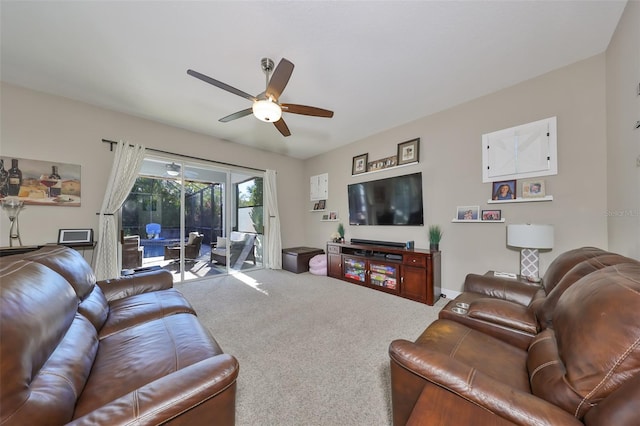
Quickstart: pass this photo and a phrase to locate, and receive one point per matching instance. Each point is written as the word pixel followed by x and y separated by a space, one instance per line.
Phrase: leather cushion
pixel 142 354
pixel 43 366
pixel 563 263
pixel 95 308
pixel 596 346
pixel 544 311
pixel 70 264
pixel 501 312
pixel 502 288
pixel 497 359
pixel 134 310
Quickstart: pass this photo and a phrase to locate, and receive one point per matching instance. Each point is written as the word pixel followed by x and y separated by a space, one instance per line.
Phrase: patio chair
pixel 132 252
pixel 153 230
pixel 191 248
pixel 242 249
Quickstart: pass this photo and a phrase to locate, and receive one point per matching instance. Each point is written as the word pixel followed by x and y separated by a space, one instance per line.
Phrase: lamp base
pixel 529 259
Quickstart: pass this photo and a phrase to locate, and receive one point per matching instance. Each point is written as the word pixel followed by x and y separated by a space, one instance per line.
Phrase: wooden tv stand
pixel 410 273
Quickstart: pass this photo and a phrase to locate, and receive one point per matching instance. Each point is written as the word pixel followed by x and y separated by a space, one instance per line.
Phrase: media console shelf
pixel 410 273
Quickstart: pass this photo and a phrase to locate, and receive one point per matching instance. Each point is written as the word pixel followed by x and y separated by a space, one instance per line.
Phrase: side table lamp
pixel 13 206
pixel 529 238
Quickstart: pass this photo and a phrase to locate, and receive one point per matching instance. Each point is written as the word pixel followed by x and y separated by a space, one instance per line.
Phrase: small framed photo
pixel 467 212
pixel 504 190
pixel 321 204
pixel 316 206
pixel 408 152
pixel 359 164
pixel 325 217
pixel 533 188
pixel 491 214
pixel 75 236
pixel 333 215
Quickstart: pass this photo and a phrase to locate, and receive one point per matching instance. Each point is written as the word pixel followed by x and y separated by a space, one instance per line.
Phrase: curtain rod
pixel 186 156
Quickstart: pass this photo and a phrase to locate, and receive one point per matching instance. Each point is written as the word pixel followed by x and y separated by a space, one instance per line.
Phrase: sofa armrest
pixel 145 282
pixel 503 288
pixel 506 314
pixel 174 395
pixel 454 376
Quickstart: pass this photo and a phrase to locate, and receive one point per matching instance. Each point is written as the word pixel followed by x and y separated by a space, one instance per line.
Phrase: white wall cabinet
pixel 319 187
pixel 528 150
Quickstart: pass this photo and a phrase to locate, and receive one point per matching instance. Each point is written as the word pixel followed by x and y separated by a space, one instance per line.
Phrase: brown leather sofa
pixel 583 367
pixel 516 310
pixel 123 351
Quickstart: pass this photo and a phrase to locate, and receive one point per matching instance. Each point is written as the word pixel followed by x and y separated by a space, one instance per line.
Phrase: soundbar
pixel 378 243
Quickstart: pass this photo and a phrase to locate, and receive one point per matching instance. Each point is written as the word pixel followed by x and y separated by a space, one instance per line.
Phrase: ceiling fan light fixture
pixel 266 110
pixel 173 169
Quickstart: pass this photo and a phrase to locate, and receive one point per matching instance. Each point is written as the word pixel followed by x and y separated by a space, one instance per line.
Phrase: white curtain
pixel 124 171
pixel 274 241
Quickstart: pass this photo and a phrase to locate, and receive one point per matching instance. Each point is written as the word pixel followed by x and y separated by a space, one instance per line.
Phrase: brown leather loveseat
pixel 581 367
pixel 122 351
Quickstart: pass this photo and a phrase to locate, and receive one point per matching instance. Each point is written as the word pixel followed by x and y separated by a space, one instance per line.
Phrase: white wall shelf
pixel 319 210
pixel 522 200
pixel 385 169
pixel 477 221
pixel 329 220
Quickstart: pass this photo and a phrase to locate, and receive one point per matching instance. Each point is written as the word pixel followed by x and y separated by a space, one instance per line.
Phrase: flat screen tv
pixel 391 201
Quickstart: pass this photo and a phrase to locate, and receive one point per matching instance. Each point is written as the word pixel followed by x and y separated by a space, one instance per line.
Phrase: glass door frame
pixel 228 200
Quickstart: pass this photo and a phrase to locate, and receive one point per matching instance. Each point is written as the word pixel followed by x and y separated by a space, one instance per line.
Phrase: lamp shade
pixel 530 236
pixel 266 110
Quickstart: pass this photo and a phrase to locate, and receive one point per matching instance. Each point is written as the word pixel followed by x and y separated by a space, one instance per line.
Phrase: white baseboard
pixel 450 294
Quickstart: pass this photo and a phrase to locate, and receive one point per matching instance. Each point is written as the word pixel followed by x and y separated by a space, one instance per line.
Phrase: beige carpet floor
pixel 312 350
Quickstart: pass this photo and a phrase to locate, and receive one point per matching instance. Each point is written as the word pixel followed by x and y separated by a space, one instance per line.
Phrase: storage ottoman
pixel 296 259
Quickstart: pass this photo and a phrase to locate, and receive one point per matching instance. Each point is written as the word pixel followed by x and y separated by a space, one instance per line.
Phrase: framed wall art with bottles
pixel 37 182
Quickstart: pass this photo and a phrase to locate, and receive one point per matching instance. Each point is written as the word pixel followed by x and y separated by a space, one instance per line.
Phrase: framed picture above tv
pixel 359 164
pixel 409 151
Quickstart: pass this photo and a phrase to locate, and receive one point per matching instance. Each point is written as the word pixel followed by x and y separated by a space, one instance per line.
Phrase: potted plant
pixel 435 235
pixel 341 232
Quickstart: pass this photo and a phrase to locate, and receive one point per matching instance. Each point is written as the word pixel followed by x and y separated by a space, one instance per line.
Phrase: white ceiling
pixel 377 64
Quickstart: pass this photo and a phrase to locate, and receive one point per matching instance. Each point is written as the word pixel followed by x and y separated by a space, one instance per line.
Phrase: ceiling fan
pixel 266 106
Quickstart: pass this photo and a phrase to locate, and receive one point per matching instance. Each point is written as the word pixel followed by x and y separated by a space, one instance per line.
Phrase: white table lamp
pixel 529 238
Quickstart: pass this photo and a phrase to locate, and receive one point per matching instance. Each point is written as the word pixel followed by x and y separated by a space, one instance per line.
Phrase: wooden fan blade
pixel 307 110
pixel 236 115
pixel 221 85
pixel 280 78
pixel 282 127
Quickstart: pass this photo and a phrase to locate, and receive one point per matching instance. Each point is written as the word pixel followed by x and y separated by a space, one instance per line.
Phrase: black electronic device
pixel 377 243
pixel 391 201
pixel 394 256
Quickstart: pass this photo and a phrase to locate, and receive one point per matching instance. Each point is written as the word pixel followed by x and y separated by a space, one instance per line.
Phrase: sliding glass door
pixel 193 219
pixel 247 235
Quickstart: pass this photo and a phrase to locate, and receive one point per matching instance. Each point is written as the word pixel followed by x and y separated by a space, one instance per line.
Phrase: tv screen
pixel 391 201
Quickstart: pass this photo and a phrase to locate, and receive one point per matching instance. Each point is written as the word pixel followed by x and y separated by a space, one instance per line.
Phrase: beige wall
pixel 450 161
pixel 43 127
pixel 595 101
pixel 623 140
